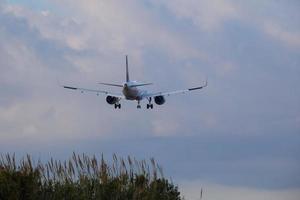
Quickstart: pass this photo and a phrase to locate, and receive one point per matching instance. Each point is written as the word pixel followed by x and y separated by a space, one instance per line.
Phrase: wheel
pixel 116 106
pixel 149 106
pixel 119 106
pixel 138 106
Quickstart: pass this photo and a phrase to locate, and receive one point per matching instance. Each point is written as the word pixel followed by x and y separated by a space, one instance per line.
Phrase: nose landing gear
pixel 138 106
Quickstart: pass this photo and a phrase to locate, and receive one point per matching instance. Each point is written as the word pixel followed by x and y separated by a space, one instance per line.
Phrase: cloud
pixel 289 38
pixel 191 190
pixel 213 15
pixel 66 31
pixel 251 88
pixel 207 15
pixel 100 32
pixel 114 27
pixel 275 19
pixel 84 45
pixel 165 127
pixel 31 104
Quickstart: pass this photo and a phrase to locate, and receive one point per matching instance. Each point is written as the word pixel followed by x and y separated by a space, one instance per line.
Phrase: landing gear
pixel 149 105
pixel 117 105
pixel 138 106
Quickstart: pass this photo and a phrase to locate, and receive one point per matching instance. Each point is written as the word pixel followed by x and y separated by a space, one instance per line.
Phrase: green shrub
pixel 83 177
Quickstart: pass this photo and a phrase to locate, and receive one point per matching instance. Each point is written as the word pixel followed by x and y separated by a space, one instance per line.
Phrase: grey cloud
pixel 267 16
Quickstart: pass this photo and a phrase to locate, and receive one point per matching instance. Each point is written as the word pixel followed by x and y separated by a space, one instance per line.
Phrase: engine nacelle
pixel 159 100
pixel 111 100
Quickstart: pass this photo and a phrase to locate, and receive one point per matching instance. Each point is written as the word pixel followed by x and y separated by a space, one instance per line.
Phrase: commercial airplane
pixel 131 91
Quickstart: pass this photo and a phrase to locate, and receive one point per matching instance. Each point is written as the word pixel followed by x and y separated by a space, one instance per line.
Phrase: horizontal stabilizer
pixel 111 84
pixel 140 84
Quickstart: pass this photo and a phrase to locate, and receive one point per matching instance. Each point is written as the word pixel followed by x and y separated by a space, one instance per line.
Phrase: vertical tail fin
pixel 127 72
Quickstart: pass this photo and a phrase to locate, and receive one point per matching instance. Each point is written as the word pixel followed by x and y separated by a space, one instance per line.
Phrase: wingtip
pixel 206 82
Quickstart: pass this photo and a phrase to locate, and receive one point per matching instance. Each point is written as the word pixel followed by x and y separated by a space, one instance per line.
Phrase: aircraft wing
pixel 95 91
pixel 174 92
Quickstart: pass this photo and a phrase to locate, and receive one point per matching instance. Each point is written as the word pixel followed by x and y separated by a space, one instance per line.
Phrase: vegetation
pixel 83 177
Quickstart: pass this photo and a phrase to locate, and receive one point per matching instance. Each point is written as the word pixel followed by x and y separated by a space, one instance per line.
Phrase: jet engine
pixel 159 100
pixel 111 100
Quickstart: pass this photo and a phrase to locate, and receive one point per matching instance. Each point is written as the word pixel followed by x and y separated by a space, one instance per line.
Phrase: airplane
pixel 131 91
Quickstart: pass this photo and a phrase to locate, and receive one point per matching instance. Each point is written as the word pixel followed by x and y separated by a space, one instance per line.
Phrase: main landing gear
pixel 138 106
pixel 149 105
pixel 117 105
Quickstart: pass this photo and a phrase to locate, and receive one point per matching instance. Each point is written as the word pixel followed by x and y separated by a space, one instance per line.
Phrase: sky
pixel 239 138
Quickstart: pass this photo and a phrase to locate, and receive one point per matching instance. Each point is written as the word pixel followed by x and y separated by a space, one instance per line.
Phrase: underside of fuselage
pixel 131 93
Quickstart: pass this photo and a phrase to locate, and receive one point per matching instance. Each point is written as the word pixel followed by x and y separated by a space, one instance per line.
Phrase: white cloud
pixel 277 19
pixel 110 28
pixel 289 38
pixel 65 30
pixel 106 28
pixel 211 15
pixel 45 13
pixel 34 106
pixel 114 27
pixel 207 15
